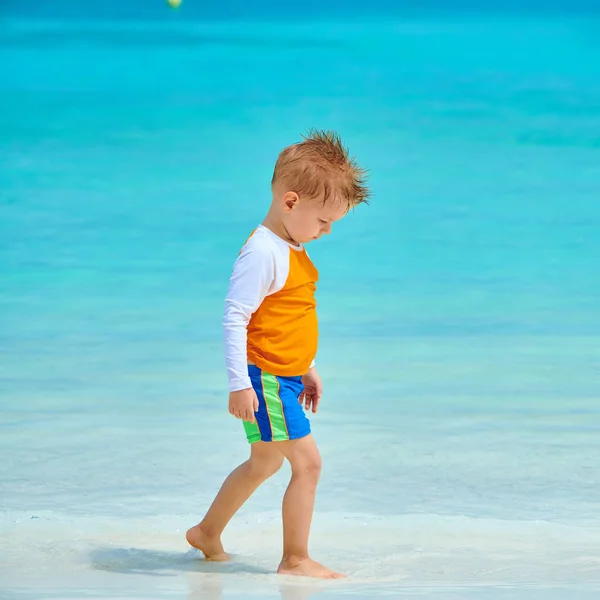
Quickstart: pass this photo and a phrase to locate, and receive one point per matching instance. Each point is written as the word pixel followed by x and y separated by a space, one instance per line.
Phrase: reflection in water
pixel 206 580
pixel 212 587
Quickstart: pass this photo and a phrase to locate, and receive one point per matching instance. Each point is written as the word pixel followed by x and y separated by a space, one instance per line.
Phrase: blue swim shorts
pixel 280 416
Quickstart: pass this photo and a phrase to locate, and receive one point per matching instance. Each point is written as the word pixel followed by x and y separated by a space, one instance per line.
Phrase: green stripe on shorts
pixel 274 407
pixel 252 431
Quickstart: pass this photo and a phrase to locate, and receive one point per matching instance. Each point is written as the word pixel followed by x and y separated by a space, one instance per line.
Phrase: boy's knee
pixel 310 468
pixel 264 467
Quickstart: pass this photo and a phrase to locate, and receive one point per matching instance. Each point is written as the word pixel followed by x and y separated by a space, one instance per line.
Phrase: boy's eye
pixel 322 222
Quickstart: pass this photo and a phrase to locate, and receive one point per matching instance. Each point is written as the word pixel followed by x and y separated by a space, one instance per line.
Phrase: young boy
pixel 271 333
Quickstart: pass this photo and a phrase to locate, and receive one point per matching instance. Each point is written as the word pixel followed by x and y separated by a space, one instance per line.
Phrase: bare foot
pixel 307 567
pixel 211 547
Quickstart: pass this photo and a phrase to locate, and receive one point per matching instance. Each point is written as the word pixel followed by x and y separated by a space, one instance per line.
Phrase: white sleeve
pixel 252 277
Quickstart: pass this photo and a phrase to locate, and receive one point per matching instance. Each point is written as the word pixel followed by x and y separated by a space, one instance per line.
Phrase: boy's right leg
pixel 265 460
pixel 298 506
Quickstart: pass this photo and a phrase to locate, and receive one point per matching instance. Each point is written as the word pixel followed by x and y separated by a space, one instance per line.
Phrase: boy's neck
pixel 274 224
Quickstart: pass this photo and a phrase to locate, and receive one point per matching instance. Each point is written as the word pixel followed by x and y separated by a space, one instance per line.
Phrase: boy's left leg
pixel 265 460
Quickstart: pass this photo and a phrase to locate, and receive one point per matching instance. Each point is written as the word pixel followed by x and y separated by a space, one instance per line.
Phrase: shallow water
pixel 459 312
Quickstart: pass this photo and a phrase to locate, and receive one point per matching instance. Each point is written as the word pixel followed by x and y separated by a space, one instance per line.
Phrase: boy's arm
pixel 313 389
pixel 251 280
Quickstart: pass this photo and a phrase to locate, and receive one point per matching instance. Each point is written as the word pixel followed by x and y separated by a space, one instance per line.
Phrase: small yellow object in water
pixel 174 3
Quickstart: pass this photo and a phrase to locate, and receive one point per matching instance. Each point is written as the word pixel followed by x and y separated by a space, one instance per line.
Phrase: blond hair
pixel 320 164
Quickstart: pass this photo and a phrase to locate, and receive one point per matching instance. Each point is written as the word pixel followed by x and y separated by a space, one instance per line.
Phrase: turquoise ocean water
pixel 460 312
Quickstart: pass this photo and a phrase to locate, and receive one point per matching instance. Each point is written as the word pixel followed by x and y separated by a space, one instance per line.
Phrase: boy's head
pixel 315 183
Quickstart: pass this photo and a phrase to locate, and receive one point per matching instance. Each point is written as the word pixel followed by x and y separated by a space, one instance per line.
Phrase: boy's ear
pixel 289 200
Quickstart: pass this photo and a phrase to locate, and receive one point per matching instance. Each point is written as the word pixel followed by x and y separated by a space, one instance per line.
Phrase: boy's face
pixel 307 219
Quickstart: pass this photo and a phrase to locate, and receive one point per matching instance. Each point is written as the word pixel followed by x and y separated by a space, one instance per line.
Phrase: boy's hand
pixel 313 388
pixel 243 404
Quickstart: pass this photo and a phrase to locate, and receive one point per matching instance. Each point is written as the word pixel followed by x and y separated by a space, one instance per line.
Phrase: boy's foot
pixel 211 547
pixel 307 567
